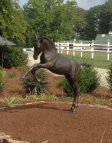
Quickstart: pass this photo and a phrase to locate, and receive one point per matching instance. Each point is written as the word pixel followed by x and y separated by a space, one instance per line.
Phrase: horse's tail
pixel 85 64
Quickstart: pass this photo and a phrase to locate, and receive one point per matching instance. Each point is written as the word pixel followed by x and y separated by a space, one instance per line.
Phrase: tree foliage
pixel 99 20
pixel 12 23
pixel 52 18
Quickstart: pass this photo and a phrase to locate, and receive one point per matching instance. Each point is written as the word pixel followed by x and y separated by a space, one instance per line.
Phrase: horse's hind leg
pixel 76 96
pixel 76 89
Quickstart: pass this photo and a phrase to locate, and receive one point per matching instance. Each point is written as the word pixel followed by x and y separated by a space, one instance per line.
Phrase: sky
pixel 85 4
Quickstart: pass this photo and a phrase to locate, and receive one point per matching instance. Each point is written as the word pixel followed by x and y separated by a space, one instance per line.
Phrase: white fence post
pixel 57 46
pixel 81 48
pixel 73 49
pixel 67 48
pixel 61 49
pixel 108 49
pixel 92 49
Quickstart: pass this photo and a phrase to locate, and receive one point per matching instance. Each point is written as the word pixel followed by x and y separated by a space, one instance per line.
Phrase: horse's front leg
pixel 27 73
pixel 30 70
pixel 38 66
pixel 37 78
pixel 34 68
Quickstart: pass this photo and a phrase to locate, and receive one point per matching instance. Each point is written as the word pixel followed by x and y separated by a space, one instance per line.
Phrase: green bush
pixel 109 78
pixel 88 81
pixel 66 86
pixel 12 56
pixel 32 86
pixel 2 81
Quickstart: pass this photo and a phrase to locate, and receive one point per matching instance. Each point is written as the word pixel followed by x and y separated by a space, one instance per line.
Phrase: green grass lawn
pixel 99 60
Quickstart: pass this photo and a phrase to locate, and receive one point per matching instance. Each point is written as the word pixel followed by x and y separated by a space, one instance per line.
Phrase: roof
pixel 102 39
pixel 6 42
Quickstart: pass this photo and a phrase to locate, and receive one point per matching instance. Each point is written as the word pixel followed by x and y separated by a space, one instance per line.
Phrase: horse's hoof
pixel 73 109
pixel 21 79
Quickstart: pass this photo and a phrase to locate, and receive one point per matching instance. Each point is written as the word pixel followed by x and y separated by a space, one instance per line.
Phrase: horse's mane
pixel 51 42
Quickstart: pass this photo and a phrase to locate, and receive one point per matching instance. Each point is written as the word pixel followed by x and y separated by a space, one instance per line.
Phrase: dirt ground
pixel 54 122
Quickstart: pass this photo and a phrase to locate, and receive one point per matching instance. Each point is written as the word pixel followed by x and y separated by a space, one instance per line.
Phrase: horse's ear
pixel 41 40
pixel 35 36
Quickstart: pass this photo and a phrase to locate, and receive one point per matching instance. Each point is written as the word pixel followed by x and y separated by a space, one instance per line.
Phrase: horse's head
pixel 37 47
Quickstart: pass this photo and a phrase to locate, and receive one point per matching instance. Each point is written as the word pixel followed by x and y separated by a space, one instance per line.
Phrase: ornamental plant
pixel 88 81
pixel 31 86
pixel 12 56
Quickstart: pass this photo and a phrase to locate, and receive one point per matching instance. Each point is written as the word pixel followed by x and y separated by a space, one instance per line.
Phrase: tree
pixel 105 21
pixel 52 18
pixel 12 23
pixel 80 22
pixel 99 20
pixel 92 26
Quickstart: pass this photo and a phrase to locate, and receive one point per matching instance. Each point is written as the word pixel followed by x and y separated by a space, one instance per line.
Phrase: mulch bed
pixel 54 122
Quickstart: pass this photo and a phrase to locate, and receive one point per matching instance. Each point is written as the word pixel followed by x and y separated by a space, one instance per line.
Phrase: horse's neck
pixel 47 54
pixel 42 58
pixel 49 49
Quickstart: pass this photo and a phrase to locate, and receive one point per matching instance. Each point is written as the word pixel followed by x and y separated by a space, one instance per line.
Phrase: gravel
pixel 103 75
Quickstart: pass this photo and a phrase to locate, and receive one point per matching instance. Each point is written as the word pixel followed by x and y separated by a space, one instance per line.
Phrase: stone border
pixel 7 139
pixel 37 102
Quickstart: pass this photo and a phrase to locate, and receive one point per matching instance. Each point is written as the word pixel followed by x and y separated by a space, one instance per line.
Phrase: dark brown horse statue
pixel 58 64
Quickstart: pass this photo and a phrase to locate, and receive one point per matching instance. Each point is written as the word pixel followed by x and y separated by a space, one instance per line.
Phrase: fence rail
pixel 80 47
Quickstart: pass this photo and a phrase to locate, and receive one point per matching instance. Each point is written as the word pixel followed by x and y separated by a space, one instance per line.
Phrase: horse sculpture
pixel 58 64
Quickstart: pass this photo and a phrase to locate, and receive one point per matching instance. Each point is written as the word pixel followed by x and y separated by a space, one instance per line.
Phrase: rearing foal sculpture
pixel 58 64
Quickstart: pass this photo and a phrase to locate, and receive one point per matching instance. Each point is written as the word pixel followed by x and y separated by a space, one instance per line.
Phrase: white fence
pixel 28 49
pixel 80 47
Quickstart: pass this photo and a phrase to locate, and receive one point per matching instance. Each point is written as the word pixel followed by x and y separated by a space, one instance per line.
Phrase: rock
pixel 7 139
pixel 44 142
pixel 2 134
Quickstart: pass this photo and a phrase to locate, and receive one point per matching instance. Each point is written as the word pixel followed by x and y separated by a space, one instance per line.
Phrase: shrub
pixel 12 56
pixel 15 58
pixel 88 81
pixel 66 86
pixel 32 86
pixel 2 81
pixel 109 78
